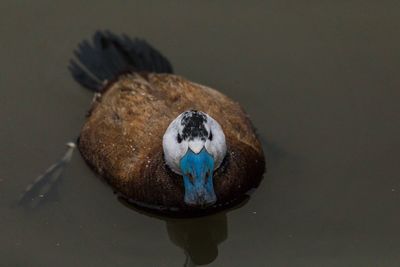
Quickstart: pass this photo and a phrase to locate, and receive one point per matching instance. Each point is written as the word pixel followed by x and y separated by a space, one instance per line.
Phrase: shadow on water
pixel 198 237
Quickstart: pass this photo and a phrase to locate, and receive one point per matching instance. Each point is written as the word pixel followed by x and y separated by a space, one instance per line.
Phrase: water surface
pixel 320 81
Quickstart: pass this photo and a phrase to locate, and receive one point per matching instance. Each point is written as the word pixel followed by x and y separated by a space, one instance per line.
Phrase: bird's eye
pixel 210 137
pixel 179 138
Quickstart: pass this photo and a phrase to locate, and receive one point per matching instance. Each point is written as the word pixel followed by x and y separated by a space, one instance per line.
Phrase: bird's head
pixel 194 147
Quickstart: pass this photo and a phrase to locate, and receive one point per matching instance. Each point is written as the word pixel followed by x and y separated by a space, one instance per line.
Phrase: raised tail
pixel 110 55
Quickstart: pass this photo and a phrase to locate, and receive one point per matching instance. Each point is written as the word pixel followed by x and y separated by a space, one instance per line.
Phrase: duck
pixel 162 142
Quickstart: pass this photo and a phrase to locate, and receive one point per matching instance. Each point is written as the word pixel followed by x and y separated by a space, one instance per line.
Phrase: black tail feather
pixel 110 55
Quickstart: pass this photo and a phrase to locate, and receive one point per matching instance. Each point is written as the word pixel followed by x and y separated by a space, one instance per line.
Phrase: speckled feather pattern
pixel 122 138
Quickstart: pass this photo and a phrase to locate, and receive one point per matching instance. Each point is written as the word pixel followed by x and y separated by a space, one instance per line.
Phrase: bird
pixel 162 142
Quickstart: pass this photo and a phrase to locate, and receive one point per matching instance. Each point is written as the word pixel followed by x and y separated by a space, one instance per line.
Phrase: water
pixel 319 80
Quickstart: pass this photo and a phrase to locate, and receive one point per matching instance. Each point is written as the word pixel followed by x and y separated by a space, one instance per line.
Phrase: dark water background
pixel 320 80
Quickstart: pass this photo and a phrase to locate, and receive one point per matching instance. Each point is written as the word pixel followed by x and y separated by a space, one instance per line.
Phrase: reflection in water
pixel 198 237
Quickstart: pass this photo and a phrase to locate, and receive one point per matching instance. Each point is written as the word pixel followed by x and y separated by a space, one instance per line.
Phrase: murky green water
pixel 320 80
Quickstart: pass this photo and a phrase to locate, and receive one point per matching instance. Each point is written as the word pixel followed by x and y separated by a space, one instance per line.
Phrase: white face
pixel 195 130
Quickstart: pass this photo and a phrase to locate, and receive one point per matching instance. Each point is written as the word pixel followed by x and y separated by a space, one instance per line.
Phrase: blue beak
pixel 197 171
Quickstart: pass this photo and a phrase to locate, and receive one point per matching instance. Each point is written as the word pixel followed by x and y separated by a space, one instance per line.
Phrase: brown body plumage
pixel 122 139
